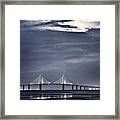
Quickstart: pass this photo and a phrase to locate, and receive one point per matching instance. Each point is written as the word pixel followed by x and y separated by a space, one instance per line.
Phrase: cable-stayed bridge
pixel 63 81
pixel 36 90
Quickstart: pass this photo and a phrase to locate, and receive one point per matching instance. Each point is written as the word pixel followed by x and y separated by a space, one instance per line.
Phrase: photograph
pixel 59 60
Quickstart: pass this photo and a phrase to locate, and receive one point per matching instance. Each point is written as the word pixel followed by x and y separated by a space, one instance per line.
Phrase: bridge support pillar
pixel 28 86
pixel 23 87
pixel 76 87
pixel 84 88
pixel 72 87
pixel 40 87
pixel 63 86
pixel 80 87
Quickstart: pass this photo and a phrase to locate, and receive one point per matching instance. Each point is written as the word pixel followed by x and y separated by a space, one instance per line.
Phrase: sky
pixel 56 47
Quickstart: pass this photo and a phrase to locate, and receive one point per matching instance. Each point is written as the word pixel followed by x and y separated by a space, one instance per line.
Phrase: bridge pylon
pixel 40 80
pixel 63 80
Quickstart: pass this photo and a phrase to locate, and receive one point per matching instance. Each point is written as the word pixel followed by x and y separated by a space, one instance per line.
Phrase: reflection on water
pixel 42 97
pixel 61 97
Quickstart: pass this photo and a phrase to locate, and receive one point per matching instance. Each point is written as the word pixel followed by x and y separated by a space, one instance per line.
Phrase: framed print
pixel 59 60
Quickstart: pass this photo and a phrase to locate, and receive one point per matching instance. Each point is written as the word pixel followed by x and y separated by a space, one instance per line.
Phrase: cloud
pixel 91 57
pixel 59 25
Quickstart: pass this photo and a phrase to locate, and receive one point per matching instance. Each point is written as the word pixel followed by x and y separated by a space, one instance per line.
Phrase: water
pixel 64 96
pixel 60 94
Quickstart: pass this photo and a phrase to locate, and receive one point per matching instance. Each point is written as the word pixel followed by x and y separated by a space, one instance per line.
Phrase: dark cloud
pixel 57 25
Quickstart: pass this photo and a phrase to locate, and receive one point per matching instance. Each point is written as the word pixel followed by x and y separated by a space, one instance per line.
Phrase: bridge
pixel 40 81
pixel 35 90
